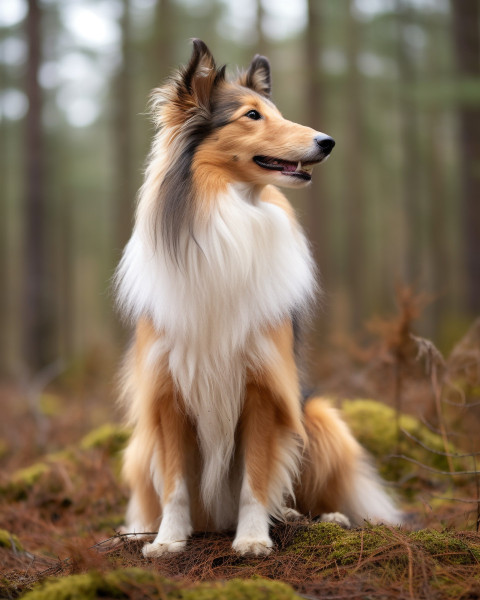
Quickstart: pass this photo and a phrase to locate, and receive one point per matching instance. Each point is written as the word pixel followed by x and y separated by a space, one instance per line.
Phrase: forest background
pixel 395 82
pixel 394 222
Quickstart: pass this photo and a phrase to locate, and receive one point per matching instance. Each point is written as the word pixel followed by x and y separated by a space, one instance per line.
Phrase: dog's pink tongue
pixel 289 166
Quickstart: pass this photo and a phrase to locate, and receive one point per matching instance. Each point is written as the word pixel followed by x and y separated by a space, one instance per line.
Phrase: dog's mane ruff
pixel 182 109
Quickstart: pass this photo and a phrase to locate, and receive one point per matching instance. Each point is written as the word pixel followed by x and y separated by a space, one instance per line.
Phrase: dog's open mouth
pixel 299 169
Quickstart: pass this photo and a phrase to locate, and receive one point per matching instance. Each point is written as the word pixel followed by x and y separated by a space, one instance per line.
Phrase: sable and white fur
pixel 215 274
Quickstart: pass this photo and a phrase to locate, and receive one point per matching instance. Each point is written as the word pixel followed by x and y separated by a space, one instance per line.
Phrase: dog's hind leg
pixel 337 480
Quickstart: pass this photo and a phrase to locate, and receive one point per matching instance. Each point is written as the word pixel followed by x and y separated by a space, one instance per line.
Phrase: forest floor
pixel 62 501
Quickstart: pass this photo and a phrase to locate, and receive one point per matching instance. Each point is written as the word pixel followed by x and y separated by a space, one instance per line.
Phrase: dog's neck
pixel 250 192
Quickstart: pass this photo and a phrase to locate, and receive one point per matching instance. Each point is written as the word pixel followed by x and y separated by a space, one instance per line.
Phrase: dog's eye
pixel 253 114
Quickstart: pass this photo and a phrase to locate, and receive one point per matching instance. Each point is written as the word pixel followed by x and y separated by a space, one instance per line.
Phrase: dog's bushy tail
pixel 367 500
pixel 337 475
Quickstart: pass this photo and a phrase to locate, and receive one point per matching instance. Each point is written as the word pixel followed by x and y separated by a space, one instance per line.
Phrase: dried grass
pixel 66 518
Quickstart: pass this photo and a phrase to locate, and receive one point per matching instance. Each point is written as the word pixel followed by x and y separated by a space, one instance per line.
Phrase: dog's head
pixel 232 128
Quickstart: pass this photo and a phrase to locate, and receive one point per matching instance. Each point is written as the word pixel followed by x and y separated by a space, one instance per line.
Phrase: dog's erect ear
pixel 201 75
pixel 200 65
pixel 258 76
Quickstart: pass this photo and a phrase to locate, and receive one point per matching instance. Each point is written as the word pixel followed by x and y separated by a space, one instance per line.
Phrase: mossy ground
pixel 312 558
pixel 10 541
pixel 376 427
pixel 57 508
pixel 109 437
pixel 134 582
pixel 348 546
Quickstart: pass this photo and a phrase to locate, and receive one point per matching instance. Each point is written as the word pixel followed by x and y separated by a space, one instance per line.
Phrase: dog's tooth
pixel 299 166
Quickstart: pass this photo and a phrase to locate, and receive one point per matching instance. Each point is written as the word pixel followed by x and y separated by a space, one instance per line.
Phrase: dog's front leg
pixel 168 474
pixel 270 450
pixel 253 523
pixel 271 432
pixel 257 436
pixel 175 527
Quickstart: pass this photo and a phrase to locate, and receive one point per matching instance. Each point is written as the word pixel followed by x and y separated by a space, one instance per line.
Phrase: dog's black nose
pixel 326 143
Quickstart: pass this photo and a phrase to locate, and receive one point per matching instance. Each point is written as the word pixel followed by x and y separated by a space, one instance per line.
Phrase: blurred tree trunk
pixel 409 136
pixel 5 250
pixel 163 42
pixel 67 242
pixel 317 225
pixel 37 331
pixel 357 147
pixel 466 37
pixel 123 142
pixel 261 41
pixel 438 255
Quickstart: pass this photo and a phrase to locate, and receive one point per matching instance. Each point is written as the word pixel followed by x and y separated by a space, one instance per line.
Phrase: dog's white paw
pixel 290 514
pixel 249 546
pixel 155 550
pixel 336 517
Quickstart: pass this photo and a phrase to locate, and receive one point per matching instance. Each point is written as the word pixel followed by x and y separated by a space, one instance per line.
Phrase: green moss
pixel 346 547
pixel 326 546
pixel 64 456
pixel 10 541
pixel 119 584
pixel 444 546
pixel 109 437
pixel 338 544
pixel 23 480
pixel 375 426
pixel 315 536
pixel 86 586
pixel 238 589
pixel 30 475
pixel 51 405
pixel 111 522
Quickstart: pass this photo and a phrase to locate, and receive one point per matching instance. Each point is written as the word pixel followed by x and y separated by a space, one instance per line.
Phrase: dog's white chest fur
pixel 249 267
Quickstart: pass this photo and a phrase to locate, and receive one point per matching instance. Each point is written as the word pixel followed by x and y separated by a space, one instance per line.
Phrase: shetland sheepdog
pixel 216 277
